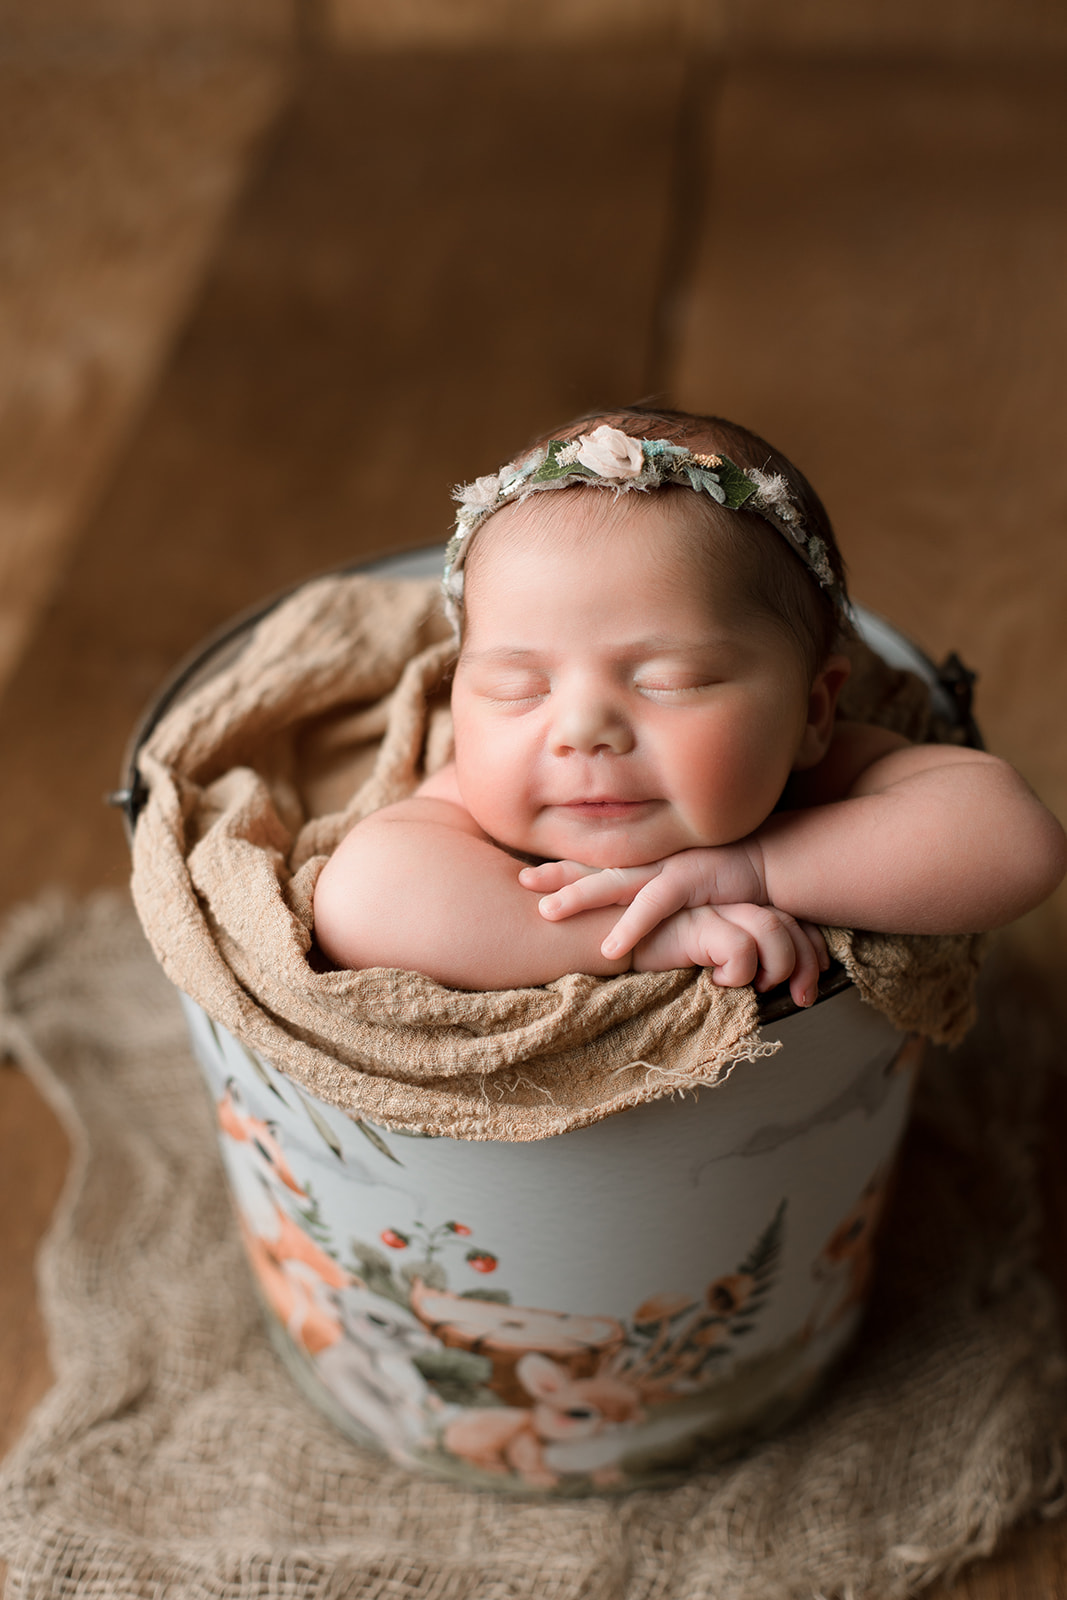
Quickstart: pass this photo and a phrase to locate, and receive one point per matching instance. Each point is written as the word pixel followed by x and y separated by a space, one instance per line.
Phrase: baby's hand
pixel 725 875
pixel 740 944
pixel 696 908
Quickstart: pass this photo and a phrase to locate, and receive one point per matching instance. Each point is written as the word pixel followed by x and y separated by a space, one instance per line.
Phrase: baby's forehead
pixel 670 535
pixel 671 520
pixel 563 560
pixel 680 557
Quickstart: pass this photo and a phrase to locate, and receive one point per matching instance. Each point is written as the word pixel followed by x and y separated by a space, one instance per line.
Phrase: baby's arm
pixel 928 839
pixel 418 885
pixel 884 835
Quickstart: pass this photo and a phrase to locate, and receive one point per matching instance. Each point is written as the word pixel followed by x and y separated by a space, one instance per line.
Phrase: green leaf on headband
pixel 551 469
pixel 702 479
pixel 737 487
pixel 549 472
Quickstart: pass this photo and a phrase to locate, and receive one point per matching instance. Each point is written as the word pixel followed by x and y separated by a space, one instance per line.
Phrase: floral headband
pixel 611 459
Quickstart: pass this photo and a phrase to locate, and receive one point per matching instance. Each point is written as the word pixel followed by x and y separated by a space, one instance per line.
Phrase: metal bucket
pixel 592 1311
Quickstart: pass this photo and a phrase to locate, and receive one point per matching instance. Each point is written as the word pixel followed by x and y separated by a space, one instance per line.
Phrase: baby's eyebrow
pixel 656 644
pixel 504 653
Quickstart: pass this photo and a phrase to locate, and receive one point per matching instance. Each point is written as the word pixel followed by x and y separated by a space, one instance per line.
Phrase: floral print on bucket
pixel 585 1313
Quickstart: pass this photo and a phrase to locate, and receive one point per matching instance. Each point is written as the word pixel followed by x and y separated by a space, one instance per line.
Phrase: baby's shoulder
pixel 853 748
pixel 436 803
pixel 443 785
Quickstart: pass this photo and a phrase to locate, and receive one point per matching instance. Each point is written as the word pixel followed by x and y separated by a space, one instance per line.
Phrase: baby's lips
pixel 605 800
pixel 603 806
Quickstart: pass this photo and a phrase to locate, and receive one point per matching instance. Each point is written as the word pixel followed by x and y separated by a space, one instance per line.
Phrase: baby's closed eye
pixel 511 686
pixel 673 683
pixel 519 692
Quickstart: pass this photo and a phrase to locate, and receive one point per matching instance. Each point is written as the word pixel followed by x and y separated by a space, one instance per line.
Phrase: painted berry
pixel 460 1228
pixel 395 1240
pixel 482 1261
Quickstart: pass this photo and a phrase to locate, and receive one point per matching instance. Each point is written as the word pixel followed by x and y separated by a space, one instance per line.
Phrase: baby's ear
pixel 822 706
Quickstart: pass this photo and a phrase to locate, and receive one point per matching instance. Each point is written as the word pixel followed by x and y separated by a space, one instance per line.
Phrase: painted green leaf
pixel 762 1259
pixel 258 1068
pixel 377 1141
pixel 451 1363
pixel 320 1125
pixel 432 1273
pixel 316 1224
pixel 377 1273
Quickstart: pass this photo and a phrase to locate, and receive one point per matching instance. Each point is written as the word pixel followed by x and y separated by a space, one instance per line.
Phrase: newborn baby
pixel 644 703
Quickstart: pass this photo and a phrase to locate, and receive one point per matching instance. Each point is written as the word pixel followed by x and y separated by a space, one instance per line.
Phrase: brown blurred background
pixel 274 274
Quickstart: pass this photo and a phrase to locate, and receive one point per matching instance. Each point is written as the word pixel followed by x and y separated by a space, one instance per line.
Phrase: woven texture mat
pixel 173 1457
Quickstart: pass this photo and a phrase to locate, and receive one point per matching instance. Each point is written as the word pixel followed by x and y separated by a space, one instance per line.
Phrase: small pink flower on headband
pixel 610 453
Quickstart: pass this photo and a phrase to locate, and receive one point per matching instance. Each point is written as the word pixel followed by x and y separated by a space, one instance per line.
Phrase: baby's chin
pixel 600 851
pixel 606 845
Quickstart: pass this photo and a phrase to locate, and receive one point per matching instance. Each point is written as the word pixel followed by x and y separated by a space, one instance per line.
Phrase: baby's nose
pixel 587 724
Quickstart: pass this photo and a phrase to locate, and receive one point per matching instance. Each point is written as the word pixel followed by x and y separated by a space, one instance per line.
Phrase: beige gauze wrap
pixel 334 707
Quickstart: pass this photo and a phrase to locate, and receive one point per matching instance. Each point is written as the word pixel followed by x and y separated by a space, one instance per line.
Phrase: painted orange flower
pixel 661 1307
pixel 726 1296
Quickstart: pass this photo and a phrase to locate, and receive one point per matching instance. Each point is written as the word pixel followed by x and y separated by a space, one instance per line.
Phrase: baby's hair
pixel 776 581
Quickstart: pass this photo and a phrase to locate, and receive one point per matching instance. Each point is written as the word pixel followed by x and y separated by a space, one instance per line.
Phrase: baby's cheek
pixel 734 780
pixel 491 792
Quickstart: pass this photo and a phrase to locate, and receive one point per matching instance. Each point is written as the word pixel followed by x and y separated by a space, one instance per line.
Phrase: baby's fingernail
pixel 547 902
pixel 808 998
pixel 609 947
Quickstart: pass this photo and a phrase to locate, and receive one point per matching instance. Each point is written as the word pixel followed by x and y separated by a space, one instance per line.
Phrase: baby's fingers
pixel 782 951
pixel 613 886
pixel 804 983
pixel 733 959
pixel 775 941
pixel 822 954
pixel 552 875
pixel 652 904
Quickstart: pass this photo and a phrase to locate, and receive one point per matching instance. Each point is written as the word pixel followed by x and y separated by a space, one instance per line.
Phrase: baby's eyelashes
pixel 653 686
pixel 676 677
pixel 513 688
pixel 526 691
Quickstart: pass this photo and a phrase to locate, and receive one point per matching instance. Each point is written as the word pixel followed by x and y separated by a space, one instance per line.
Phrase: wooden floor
pixel 264 313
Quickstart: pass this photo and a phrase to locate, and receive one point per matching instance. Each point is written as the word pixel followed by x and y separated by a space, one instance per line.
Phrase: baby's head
pixel 639 673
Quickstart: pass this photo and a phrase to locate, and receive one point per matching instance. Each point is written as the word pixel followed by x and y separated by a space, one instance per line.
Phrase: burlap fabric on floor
pixel 174 1458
